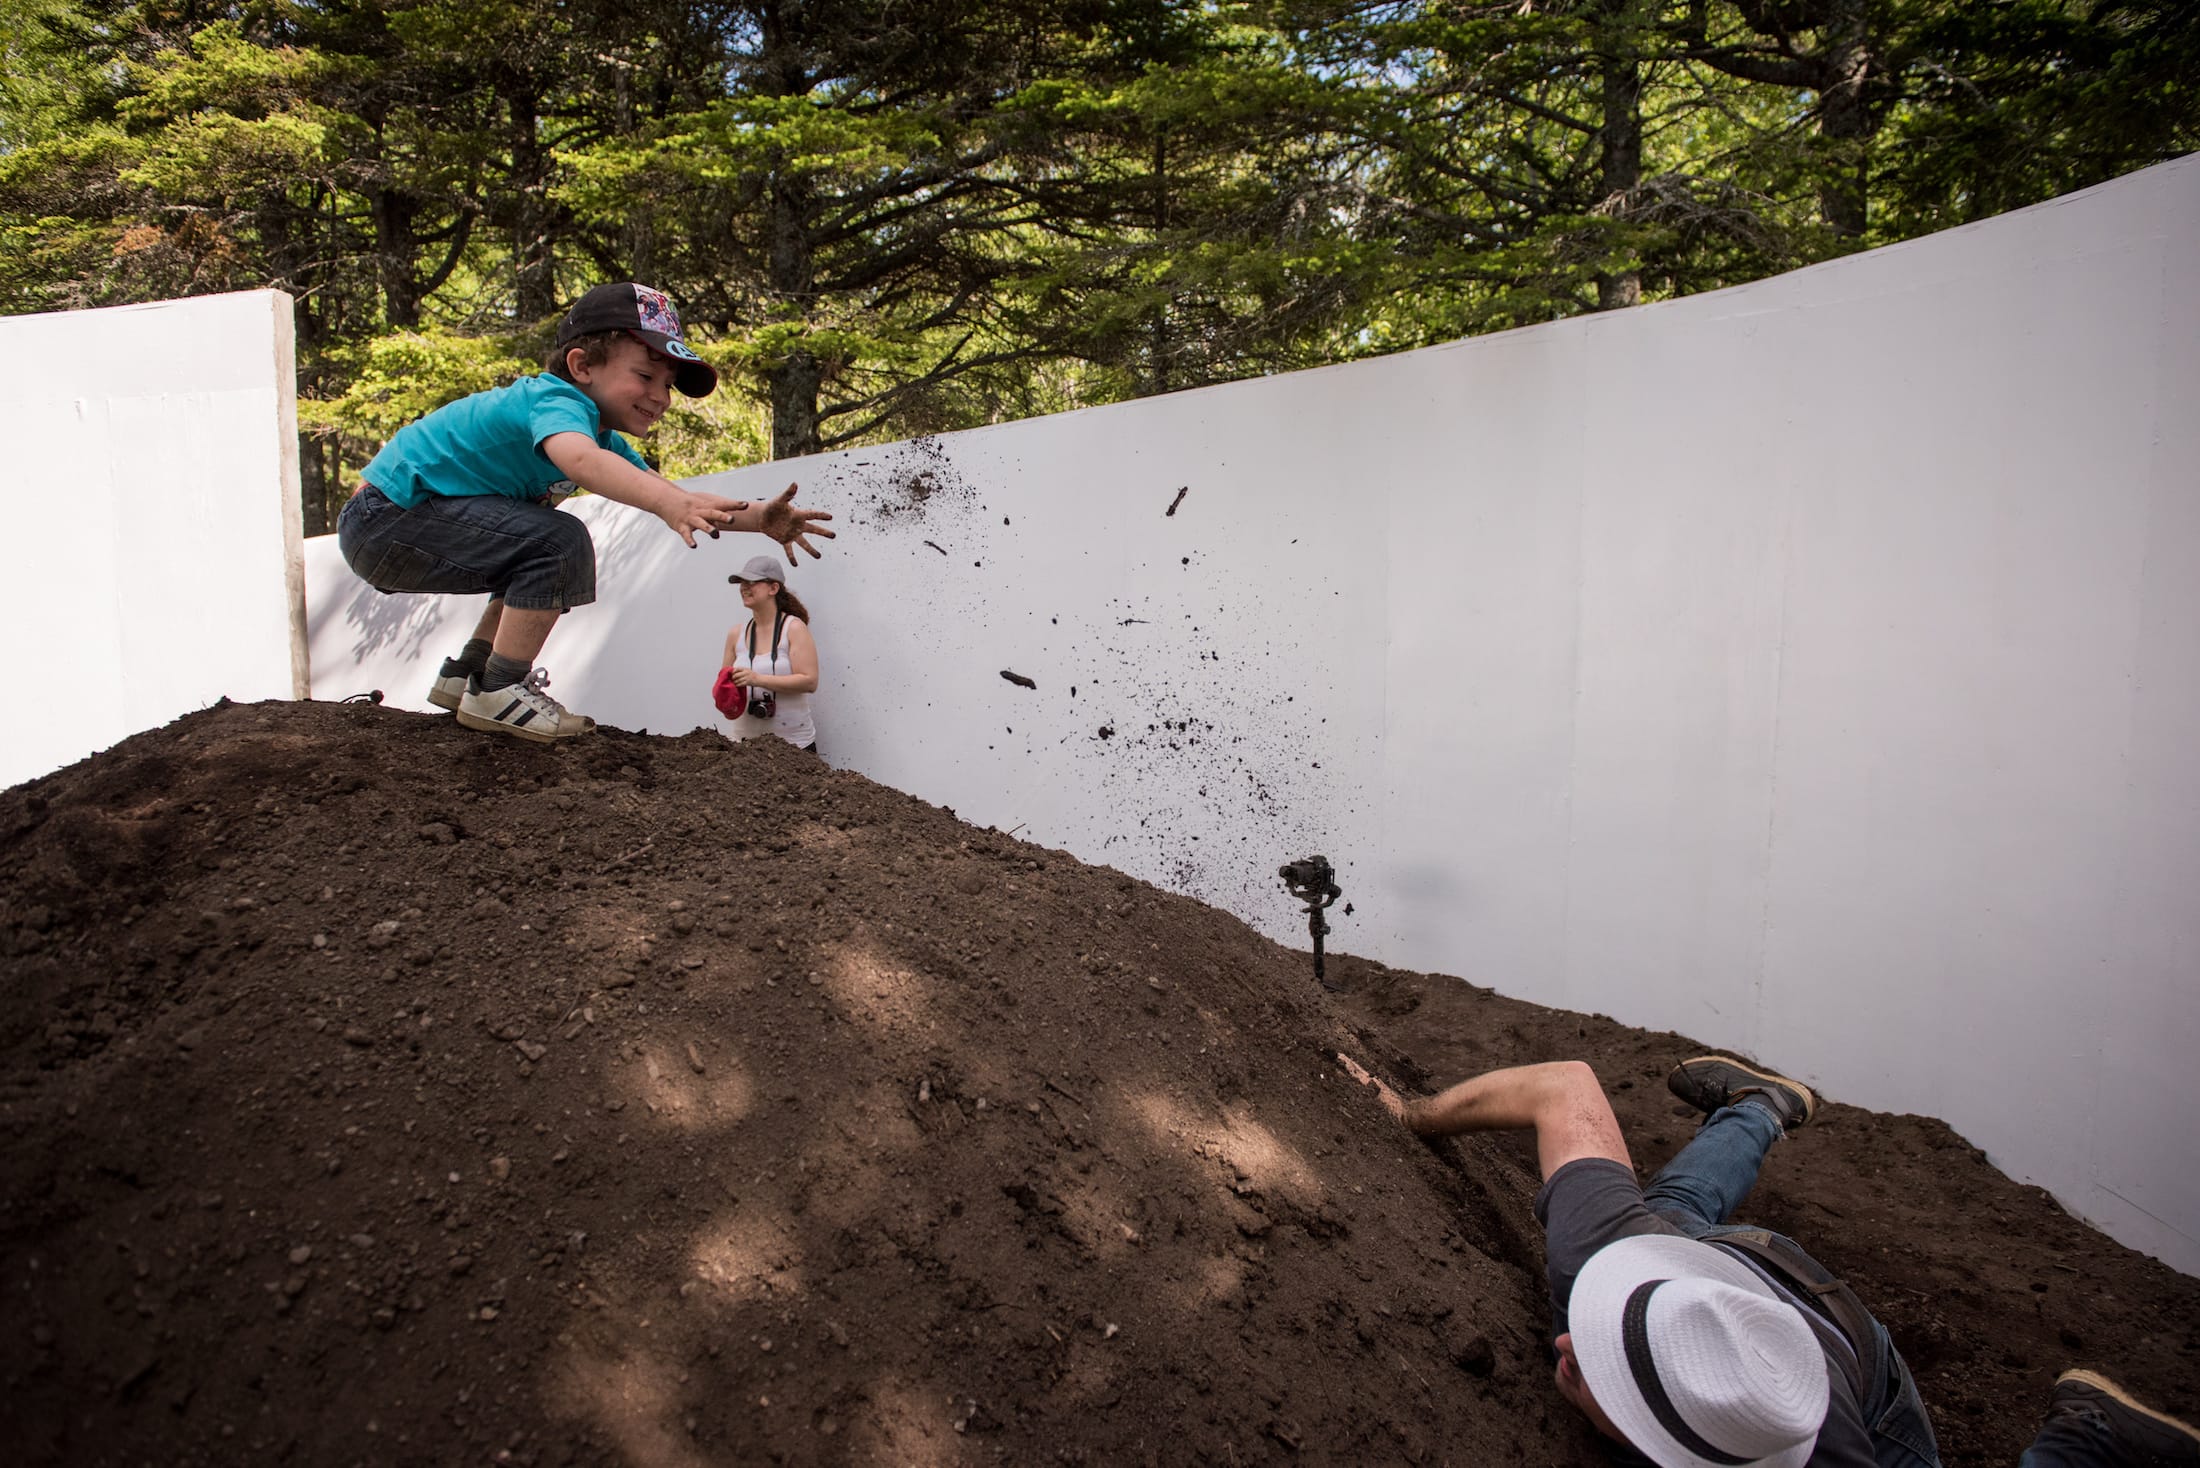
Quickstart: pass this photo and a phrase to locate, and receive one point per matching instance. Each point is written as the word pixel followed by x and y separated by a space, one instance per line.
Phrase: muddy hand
pixel 791 525
pixel 1390 1099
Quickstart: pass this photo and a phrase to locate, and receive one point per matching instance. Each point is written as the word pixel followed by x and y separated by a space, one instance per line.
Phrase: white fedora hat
pixel 1694 1358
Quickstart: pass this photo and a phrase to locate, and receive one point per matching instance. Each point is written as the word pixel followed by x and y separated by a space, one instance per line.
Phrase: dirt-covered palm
pixel 792 526
pixel 1392 1101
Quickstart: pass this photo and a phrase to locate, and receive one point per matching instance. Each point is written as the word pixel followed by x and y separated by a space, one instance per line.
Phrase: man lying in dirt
pixel 1697 1342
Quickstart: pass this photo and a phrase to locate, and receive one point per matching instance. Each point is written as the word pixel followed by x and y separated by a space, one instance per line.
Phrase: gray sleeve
pixel 1585 1205
pixel 1593 1201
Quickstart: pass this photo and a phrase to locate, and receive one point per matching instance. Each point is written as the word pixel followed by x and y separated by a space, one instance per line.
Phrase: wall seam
pixel 1573 718
pixel 1783 584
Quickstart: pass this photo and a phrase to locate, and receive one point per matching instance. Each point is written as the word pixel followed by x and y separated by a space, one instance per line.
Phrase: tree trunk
pixel 1158 328
pixel 795 384
pixel 639 231
pixel 1845 120
pixel 393 255
pixel 314 498
pixel 797 376
pixel 1620 143
pixel 1842 68
pixel 533 257
pixel 303 267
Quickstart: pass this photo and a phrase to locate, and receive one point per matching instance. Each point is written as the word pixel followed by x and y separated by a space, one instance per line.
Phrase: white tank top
pixel 793 722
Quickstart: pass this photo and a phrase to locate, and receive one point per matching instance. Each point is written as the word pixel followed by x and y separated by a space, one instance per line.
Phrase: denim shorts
pixel 534 557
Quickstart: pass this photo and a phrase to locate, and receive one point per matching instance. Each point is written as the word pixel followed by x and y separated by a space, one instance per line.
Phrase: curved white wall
pixel 1813 667
pixel 150 498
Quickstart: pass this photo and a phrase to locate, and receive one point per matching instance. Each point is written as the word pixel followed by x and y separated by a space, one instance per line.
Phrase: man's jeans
pixel 1700 1189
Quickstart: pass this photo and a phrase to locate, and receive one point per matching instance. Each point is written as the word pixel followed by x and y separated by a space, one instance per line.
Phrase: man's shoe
pixel 522 709
pixel 449 686
pixel 2146 1435
pixel 1711 1081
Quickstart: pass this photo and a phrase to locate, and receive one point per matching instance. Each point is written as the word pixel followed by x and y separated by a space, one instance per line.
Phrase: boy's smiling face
pixel 631 388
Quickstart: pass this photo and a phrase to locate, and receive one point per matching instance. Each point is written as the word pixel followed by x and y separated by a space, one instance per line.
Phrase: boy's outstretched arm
pixel 1560 1099
pixel 599 471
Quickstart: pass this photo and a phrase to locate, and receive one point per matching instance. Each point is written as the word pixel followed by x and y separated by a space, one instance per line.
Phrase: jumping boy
pixel 464 500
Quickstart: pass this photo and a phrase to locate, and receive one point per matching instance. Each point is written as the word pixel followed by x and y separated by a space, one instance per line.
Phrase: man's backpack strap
pixel 1786 1262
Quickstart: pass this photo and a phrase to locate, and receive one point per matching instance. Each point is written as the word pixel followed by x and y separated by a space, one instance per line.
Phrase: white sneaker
pixel 449 686
pixel 522 709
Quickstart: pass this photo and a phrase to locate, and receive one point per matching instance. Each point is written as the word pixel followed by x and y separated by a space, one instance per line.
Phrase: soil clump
pixel 375 1091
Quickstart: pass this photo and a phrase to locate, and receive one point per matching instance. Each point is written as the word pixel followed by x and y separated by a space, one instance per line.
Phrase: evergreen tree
pixel 889 218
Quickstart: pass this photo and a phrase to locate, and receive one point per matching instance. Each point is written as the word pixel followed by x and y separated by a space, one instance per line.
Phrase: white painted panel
pixel 151 499
pixel 1961 635
pixel 1485 577
pixel 1812 666
pixel 2146 1000
pixel 1683 533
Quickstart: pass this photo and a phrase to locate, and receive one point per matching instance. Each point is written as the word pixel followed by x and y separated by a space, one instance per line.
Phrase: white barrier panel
pixel 151 504
pixel 1813 666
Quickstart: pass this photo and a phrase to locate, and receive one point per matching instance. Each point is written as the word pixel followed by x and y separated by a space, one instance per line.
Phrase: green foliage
pixel 727 430
pixel 394 379
pixel 44 82
pixel 885 217
pixel 2042 97
pixel 391 380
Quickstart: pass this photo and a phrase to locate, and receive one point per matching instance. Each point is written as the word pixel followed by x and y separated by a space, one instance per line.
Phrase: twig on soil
pixel 1417 1376
pixel 623 860
pixel 1052 1086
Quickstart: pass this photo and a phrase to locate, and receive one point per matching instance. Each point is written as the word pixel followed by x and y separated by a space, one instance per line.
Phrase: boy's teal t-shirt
pixel 490 443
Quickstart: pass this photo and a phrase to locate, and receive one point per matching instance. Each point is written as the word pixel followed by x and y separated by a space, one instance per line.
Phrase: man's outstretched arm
pixel 1561 1100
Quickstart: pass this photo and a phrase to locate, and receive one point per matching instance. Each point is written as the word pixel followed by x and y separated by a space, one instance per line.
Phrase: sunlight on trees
pixel 885 220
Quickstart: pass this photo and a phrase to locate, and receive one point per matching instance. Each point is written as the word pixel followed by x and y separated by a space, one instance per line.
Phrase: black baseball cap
pixel 643 312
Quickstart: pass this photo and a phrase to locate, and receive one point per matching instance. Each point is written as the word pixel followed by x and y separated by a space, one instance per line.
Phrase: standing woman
pixel 772 658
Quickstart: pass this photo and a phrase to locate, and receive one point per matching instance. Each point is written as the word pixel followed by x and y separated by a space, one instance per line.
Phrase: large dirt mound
pixel 374 1091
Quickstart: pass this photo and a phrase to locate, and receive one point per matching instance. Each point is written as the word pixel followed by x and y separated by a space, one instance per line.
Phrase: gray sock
pixel 502 672
pixel 470 660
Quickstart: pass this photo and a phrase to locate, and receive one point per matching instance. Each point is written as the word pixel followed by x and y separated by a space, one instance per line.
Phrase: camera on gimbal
pixel 1313 881
pixel 1309 877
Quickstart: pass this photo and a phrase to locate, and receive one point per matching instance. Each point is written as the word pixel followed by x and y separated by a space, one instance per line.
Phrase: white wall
pixel 1813 667
pixel 152 559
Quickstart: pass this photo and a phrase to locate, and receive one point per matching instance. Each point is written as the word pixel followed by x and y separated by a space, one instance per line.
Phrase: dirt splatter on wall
pixel 1174 725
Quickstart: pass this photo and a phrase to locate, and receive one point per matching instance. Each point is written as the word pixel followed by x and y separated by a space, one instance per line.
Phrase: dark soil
pixel 373 1091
